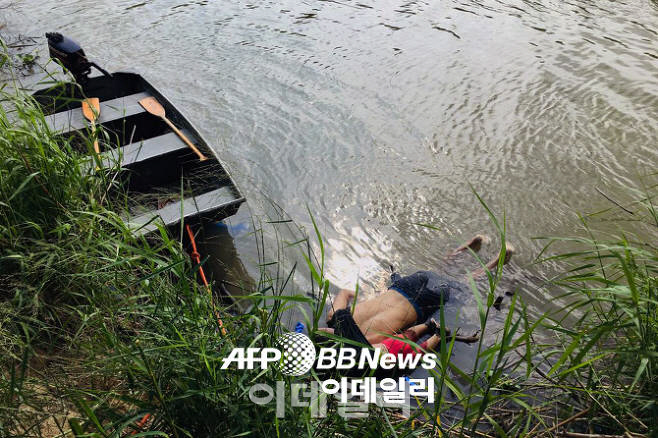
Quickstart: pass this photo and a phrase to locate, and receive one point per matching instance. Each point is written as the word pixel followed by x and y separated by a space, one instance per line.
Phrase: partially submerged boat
pixel 167 182
pixel 171 176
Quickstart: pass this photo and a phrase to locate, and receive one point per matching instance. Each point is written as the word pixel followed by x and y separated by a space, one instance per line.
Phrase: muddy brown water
pixel 381 116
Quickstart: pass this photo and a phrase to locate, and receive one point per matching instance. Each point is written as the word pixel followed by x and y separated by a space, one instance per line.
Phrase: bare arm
pixel 341 301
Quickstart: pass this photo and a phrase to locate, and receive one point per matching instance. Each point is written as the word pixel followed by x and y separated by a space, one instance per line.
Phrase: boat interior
pixel 165 179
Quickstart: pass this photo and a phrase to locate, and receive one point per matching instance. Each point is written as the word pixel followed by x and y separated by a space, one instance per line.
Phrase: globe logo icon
pixel 297 353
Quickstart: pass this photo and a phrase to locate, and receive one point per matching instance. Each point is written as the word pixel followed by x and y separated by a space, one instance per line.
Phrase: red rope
pixel 197 259
pixel 141 423
pixel 195 255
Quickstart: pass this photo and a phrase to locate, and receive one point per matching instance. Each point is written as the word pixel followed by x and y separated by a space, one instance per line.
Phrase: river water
pixel 383 115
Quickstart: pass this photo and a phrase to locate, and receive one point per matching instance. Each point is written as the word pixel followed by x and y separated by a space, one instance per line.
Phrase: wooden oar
pixel 151 105
pixel 91 109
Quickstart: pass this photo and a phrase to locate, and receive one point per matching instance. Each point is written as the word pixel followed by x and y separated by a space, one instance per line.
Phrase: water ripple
pixel 380 115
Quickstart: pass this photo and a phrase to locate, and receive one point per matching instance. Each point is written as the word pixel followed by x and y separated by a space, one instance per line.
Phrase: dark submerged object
pixel 156 164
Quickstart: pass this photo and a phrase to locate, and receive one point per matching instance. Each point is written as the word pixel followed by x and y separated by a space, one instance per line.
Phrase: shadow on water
pixel 223 263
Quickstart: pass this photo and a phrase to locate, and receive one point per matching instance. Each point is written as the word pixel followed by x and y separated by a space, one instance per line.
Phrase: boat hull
pixel 165 180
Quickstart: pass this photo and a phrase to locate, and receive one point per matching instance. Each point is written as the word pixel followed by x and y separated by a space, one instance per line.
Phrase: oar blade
pixel 91 108
pixel 151 105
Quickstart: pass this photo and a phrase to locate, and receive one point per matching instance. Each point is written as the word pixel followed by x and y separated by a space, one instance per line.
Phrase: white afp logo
pixel 295 355
pixel 298 354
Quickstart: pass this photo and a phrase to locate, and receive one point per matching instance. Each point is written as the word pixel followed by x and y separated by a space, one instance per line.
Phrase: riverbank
pixel 100 328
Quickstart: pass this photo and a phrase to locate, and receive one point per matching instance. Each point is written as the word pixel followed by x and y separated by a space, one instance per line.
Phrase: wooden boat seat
pixel 191 209
pixel 114 109
pixel 140 152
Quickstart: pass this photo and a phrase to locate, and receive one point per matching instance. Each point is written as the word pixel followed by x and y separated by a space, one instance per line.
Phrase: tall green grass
pixel 608 328
pixel 99 327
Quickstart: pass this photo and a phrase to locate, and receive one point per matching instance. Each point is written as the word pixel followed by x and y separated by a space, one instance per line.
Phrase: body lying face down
pixel 402 312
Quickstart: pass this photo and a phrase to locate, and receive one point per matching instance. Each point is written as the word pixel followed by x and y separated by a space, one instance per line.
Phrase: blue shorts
pixel 425 290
